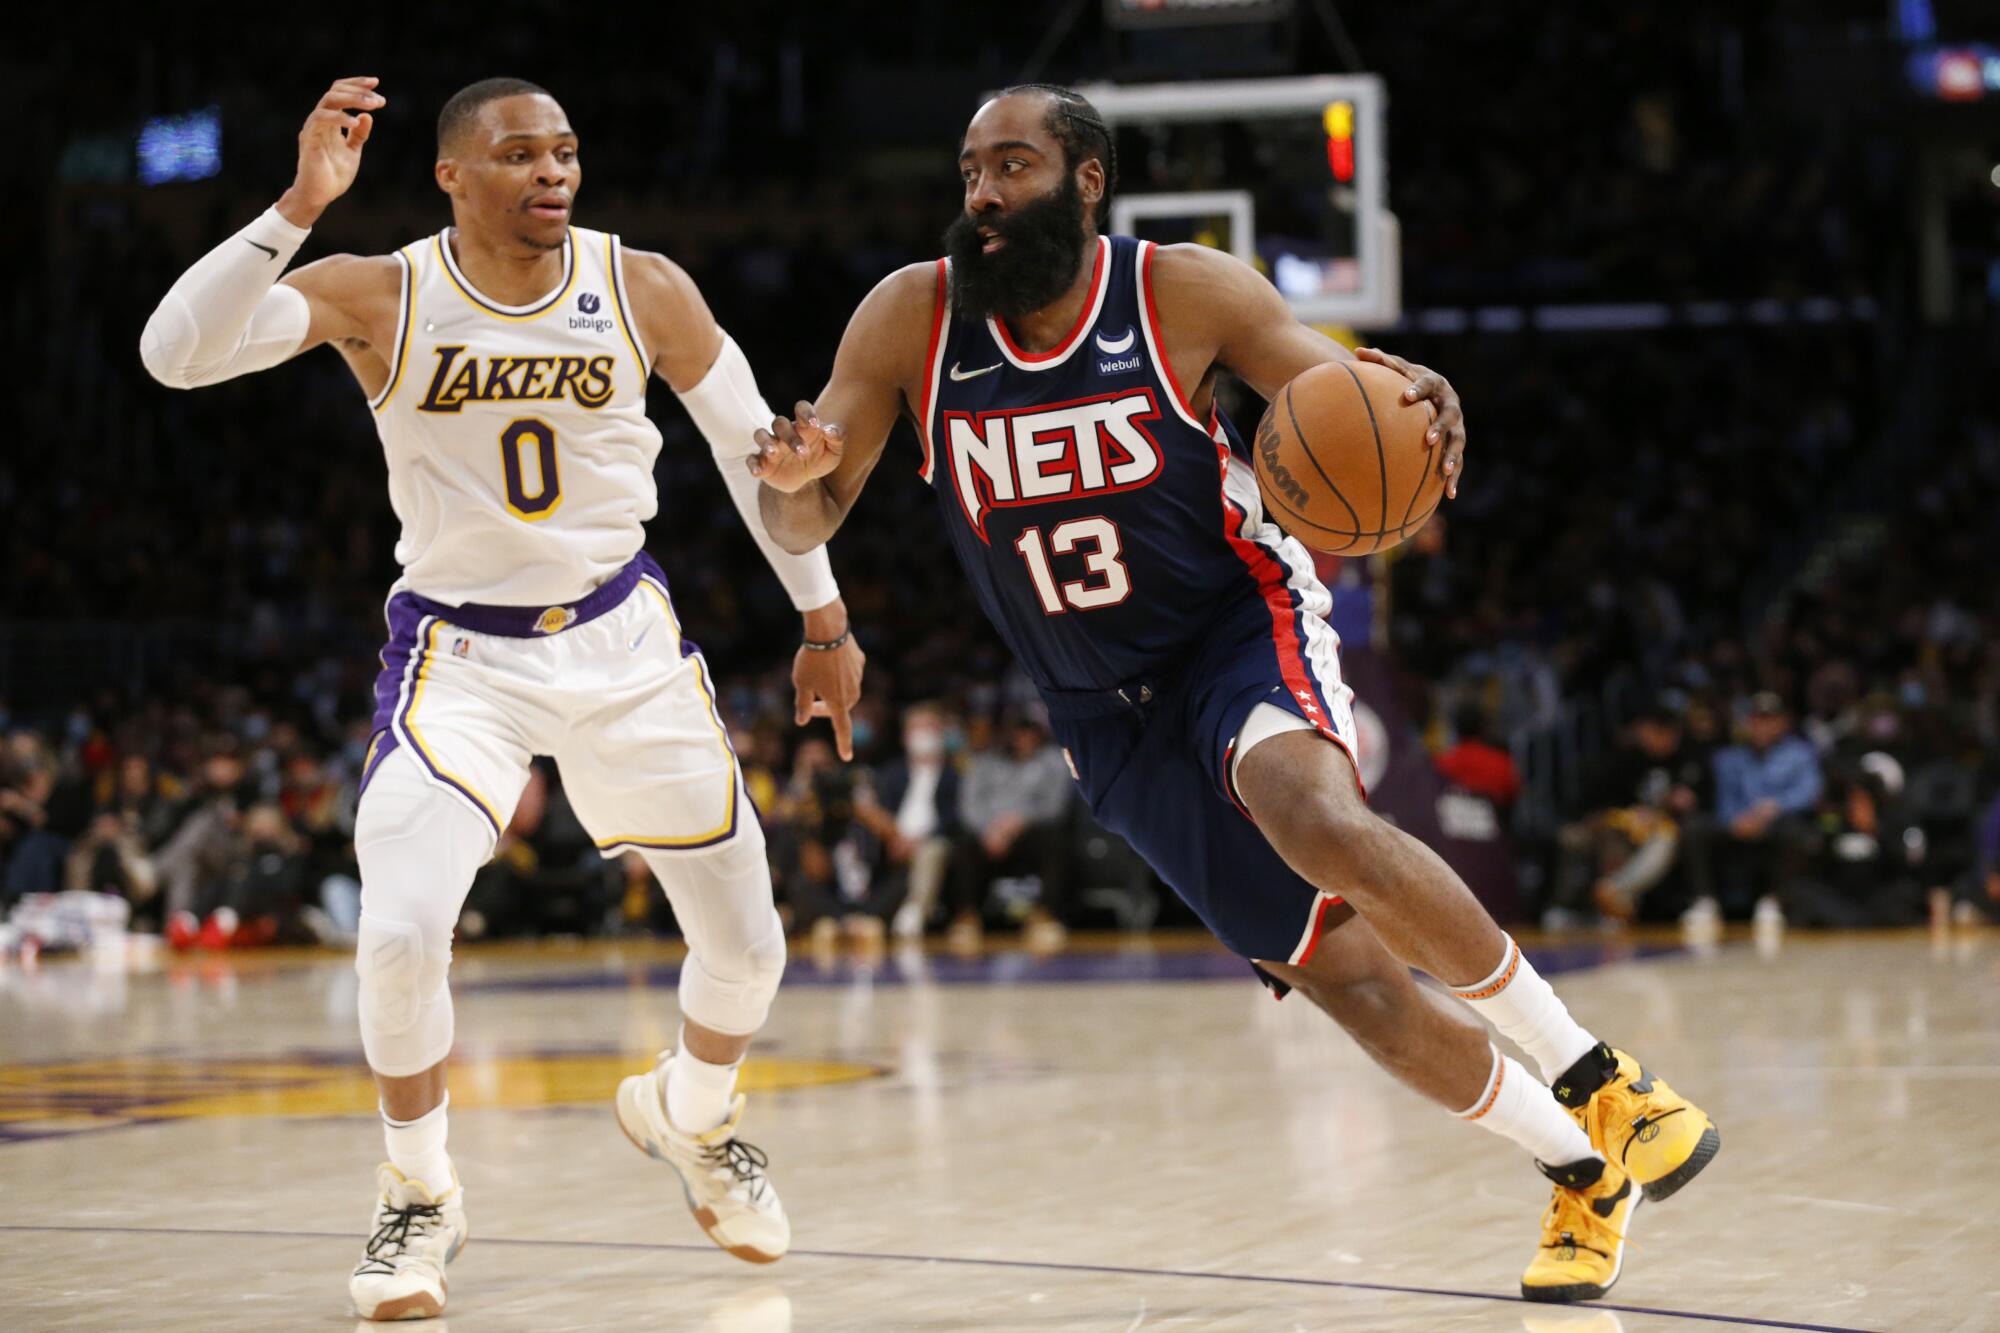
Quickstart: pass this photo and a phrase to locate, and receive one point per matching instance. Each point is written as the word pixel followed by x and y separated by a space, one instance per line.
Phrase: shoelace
pixel 392 1237
pixel 745 1162
pixel 1570 1215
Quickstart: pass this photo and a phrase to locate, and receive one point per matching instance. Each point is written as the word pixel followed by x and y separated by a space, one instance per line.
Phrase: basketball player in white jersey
pixel 506 361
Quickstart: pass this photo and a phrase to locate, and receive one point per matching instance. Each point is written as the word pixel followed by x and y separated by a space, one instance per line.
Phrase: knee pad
pixel 419 848
pixel 736 944
pixel 404 1004
pixel 735 1004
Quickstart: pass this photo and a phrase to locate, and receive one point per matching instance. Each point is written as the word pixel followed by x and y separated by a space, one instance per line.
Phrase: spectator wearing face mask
pixel 910 804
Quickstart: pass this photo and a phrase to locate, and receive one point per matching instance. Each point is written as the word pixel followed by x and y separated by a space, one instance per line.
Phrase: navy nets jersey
pixel 1104 526
pixel 1118 543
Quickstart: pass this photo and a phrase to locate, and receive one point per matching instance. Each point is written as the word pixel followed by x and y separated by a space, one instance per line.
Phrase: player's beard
pixel 1044 249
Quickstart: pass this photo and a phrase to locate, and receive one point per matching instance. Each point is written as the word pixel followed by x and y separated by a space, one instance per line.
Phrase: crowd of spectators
pixel 1634 498
pixel 1839 764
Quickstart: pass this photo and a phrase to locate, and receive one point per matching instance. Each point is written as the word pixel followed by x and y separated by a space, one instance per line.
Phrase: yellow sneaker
pixel 1655 1135
pixel 1583 1233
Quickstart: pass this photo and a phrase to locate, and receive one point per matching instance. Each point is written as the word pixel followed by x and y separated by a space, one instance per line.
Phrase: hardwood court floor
pixel 1115 1138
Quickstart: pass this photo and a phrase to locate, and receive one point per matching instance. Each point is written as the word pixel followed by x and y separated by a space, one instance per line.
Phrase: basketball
pixel 1341 459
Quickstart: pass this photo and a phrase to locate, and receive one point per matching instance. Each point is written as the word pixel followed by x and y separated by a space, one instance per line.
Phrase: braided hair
pixel 1081 131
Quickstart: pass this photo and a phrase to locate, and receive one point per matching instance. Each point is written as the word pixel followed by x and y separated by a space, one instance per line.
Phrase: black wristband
pixel 830 644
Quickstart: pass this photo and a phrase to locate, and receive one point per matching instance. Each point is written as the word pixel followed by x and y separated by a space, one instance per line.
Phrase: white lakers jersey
pixel 520 455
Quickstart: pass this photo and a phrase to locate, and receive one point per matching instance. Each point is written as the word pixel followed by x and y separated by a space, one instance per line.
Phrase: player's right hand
pixel 795 453
pixel 330 144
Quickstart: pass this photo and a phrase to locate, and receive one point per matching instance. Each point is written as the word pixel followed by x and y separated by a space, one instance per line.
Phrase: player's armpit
pixel 1215 310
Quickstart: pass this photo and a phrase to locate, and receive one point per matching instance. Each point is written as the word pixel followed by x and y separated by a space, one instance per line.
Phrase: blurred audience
pixel 1015 803
pixel 1623 482
pixel 1766 787
pixel 911 806
pixel 1475 763
pixel 1657 780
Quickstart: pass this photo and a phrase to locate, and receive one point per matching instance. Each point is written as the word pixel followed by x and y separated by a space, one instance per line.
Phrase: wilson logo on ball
pixel 1342 462
pixel 1280 475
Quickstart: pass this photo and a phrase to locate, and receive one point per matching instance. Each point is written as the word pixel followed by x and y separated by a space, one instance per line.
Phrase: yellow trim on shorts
pixel 721 734
pixel 409 721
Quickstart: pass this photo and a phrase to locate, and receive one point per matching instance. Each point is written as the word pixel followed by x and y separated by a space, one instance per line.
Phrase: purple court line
pixel 977 1263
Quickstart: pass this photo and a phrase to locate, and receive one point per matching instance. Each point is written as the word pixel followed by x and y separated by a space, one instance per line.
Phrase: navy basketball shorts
pixel 1154 761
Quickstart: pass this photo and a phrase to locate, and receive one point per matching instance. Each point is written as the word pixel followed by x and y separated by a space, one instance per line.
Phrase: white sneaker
pixel 402 1274
pixel 1702 915
pixel 722 1176
pixel 1768 915
pixel 909 922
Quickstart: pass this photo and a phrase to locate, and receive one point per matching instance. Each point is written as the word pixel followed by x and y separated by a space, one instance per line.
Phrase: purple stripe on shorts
pixel 536 622
pixel 403 615
pixel 381 746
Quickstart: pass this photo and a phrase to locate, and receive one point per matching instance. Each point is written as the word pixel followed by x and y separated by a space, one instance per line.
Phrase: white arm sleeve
pixel 227 316
pixel 728 410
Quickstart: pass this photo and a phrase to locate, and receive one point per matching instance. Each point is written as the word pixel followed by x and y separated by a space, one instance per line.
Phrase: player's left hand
pixel 827 683
pixel 1448 428
pixel 796 452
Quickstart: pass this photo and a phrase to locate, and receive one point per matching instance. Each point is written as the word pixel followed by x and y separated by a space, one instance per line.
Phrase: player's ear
pixel 446 171
pixel 1090 182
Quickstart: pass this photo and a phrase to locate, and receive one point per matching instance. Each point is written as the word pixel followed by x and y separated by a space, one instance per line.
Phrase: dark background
pixel 1799 484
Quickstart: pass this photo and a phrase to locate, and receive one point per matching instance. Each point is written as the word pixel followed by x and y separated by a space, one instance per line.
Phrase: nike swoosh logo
pixel 958 374
pixel 638 639
pixel 1117 345
pixel 265 248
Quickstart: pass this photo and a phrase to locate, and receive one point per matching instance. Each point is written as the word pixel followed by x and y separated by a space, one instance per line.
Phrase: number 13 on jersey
pixel 528 458
pixel 1097 538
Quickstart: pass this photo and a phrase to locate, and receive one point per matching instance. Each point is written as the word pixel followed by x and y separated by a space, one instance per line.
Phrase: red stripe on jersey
pixel 1082 317
pixel 1159 338
pixel 1271 583
pixel 930 373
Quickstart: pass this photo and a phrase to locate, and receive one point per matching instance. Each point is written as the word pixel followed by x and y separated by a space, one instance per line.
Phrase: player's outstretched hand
pixel 330 146
pixel 1449 427
pixel 826 682
pixel 794 453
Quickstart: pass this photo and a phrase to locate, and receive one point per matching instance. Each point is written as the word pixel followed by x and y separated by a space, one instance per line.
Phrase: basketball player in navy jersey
pixel 1107 516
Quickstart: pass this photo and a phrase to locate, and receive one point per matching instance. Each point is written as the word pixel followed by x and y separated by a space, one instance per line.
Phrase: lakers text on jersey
pixel 520 454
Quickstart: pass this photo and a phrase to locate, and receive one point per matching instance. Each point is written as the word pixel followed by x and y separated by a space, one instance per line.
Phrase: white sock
pixel 698 1092
pixel 1515 999
pixel 416 1148
pixel 1515 1106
